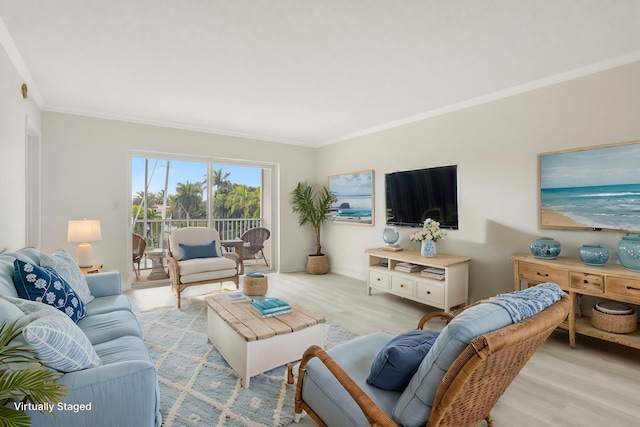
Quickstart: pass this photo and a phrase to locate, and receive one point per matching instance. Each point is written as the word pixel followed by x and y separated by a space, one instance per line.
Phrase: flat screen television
pixel 415 195
pixel 595 188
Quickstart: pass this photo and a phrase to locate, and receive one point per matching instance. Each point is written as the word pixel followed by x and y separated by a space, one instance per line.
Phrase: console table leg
pixel 572 320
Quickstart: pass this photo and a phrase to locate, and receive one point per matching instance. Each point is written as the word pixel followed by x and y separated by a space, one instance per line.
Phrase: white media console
pixel 450 289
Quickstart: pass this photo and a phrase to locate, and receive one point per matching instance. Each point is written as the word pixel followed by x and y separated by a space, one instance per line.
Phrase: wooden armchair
pixel 196 258
pixel 467 392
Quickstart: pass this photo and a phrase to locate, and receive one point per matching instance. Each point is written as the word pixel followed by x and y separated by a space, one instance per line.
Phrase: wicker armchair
pixel 254 242
pixel 185 271
pixel 466 394
pixel 139 245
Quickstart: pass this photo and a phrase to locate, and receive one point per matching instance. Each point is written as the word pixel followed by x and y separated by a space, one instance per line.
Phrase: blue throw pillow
pixel 45 285
pixel 397 361
pixel 60 344
pixel 205 250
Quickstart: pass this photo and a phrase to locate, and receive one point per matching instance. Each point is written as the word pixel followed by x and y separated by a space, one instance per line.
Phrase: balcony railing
pixel 229 228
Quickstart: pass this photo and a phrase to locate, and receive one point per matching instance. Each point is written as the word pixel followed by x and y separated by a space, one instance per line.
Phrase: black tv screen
pixel 415 195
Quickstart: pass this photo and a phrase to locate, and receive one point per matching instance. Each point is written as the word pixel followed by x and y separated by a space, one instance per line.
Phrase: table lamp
pixel 84 231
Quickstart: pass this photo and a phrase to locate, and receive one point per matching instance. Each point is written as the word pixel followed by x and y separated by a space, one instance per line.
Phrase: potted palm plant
pixel 24 382
pixel 314 208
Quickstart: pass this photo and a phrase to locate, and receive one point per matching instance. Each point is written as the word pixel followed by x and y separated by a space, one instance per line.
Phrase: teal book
pixel 270 305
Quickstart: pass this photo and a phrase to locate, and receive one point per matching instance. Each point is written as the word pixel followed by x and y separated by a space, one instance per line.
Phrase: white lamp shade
pixel 84 231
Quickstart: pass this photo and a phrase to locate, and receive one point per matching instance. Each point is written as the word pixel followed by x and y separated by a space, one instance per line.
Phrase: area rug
pixel 197 386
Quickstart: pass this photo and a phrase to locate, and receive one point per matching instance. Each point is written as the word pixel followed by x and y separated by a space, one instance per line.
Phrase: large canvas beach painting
pixel 354 194
pixel 591 188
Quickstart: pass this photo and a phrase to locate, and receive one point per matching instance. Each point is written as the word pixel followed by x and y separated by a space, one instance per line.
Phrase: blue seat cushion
pixel 100 328
pixel 322 391
pixel 45 285
pixel 204 250
pixel 108 304
pixel 396 363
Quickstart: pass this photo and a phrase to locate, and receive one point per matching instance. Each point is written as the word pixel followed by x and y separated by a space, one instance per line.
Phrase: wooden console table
pixel 612 282
pixel 451 291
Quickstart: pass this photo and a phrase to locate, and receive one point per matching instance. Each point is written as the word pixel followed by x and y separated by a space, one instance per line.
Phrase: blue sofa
pixel 123 390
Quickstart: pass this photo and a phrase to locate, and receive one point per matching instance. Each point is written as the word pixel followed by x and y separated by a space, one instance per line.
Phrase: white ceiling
pixel 303 71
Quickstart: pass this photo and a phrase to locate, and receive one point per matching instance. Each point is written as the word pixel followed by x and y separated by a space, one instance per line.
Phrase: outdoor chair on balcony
pixel 139 246
pixel 254 242
pixel 420 378
pixel 196 258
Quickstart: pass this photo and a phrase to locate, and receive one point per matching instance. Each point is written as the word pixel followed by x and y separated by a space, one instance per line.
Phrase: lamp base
pixel 84 255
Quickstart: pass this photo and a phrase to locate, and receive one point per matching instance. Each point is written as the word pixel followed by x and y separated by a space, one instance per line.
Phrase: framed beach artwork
pixel 595 188
pixel 354 192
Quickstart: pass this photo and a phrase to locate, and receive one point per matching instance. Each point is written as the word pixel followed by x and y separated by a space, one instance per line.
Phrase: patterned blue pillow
pixel 66 267
pixel 45 285
pixel 60 344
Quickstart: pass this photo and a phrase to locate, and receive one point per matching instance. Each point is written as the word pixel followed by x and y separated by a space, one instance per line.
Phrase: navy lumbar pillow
pixel 44 284
pixel 395 364
pixel 205 250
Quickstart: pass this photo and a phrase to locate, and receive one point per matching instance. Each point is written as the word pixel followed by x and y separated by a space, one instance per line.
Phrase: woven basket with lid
pixel 614 317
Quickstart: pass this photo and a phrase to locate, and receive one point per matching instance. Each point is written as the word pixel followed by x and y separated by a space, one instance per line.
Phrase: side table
pixel 95 268
pixel 236 245
pixel 157 269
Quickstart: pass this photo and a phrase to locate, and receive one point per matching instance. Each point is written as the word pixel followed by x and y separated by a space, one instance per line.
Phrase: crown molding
pixel 515 90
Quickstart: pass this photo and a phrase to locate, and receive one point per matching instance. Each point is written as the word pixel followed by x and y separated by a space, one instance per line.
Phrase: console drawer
pixel 534 273
pixel 590 283
pixel 431 293
pixel 627 289
pixel 378 279
pixel 402 285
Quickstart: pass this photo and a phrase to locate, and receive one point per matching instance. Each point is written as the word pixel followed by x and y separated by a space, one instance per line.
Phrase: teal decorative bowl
pixel 390 236
pixel 596 256
pixel 629 252
pixel 545 248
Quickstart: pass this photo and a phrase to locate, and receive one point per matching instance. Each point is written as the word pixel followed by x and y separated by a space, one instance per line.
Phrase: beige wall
pixel 86 174
pixel 15 114
pixel 495 146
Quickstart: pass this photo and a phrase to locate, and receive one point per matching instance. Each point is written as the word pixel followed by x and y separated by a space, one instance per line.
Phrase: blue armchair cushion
pixel 205 250
pixel 40 284
pixel 396 363
pixel 66 267
pixel 414 405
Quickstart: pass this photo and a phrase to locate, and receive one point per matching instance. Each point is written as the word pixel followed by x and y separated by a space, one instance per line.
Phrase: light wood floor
pixel 595 384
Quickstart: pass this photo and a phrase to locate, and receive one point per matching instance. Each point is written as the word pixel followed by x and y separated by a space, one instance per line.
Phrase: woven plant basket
pixel 616 323
pixel 255 286
pixel 317 264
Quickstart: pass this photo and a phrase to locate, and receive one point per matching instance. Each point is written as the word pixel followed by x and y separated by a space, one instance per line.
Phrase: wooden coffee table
pixel 251 344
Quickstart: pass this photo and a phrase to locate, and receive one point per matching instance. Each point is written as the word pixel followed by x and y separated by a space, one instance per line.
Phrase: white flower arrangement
pixel 430 231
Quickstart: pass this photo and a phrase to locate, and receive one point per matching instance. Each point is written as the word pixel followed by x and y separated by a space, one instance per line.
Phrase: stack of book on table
pixel 269 306
pixel 237 297
pixel 433 273
pixel 407 267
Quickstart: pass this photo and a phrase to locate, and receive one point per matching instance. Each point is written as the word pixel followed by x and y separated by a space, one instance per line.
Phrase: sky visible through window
pixel 183 171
